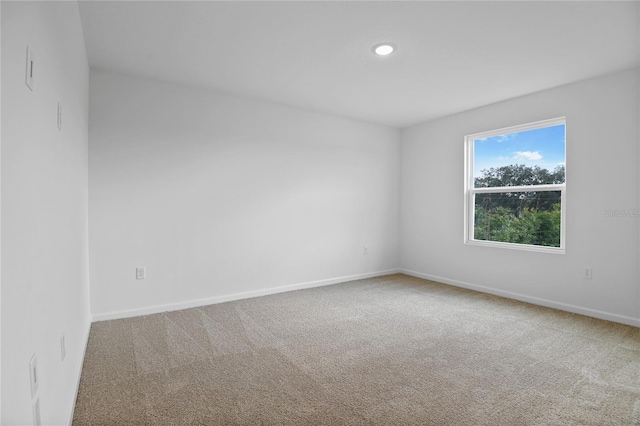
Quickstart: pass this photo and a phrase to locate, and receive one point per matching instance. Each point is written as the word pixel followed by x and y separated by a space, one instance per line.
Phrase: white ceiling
pixel 451 56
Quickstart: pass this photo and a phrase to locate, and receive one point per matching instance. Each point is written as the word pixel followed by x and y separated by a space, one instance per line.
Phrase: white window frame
pixel 470 192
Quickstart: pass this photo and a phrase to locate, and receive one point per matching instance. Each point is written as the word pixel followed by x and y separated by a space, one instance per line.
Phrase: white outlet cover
pixel 141 273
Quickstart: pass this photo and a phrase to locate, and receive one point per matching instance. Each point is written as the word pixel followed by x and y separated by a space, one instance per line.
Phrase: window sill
pixel 514 246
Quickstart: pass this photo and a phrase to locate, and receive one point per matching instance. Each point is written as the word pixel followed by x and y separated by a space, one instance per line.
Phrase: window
pixel 515 187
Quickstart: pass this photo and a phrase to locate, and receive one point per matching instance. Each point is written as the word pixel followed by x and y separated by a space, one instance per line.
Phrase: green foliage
pixel 531 217
pixel 519 174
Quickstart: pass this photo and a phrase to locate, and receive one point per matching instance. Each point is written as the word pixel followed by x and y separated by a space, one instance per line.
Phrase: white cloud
pixel 499 138
pixel 506 138
pixel 527 155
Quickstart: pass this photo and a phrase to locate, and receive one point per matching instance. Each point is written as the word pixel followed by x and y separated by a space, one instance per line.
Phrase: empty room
pixel 320 212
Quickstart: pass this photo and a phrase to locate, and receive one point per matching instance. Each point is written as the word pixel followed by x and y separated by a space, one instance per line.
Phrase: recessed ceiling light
pixel 383 49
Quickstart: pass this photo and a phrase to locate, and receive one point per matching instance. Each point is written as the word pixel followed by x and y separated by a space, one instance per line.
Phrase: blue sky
pixel 539 147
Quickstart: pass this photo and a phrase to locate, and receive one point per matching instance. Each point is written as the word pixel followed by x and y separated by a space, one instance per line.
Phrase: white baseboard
pixel 79 373
pixel 623 319
pixel 236 296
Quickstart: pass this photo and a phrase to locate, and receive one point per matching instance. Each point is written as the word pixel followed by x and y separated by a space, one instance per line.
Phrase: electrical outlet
pixel 29 78
pixel 141 273
pixel 365 250
pixel 33 374
pixel 63 349
pixel 587 274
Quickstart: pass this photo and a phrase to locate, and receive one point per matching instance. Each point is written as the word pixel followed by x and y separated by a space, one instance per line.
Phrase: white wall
pixel 221 197
pixel 602 174
pixel 44 208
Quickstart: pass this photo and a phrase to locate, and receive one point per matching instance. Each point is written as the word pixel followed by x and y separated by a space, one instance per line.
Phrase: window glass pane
pixel 531 157
pixel 519 217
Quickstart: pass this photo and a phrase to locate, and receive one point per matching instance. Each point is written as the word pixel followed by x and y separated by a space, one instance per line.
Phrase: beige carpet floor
pixel 391 350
